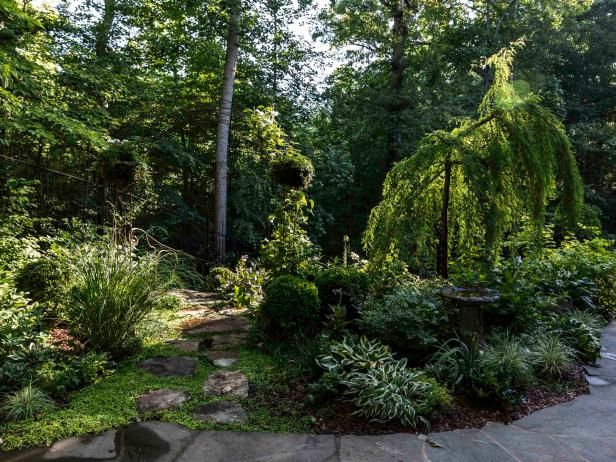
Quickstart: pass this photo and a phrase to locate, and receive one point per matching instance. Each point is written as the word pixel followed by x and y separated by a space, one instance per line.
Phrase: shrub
pixel 291 306
pixel 342 285
pixel 26 403
pixel 293 170
pixel 551 358
pixel 289 250
pixel 577 274
pixel 244 285
pixel 384 278
pixel 21 338
pixel 410 318
pixel 580 331
pixel 64 373
pixel 218 278
pixel 44 280
pixel 113 291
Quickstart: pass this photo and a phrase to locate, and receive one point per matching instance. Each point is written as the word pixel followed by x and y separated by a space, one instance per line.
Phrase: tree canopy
pixel 371 87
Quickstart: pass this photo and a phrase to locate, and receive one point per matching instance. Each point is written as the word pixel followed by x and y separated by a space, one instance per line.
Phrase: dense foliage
pixel 112 293
pixel 470 139
pixel 290 307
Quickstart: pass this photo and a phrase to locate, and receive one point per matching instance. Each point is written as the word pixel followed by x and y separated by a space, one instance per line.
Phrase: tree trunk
pixel 395 105
pixel 103 29
pixel 222 138
pixel 442 252
pixel 101 44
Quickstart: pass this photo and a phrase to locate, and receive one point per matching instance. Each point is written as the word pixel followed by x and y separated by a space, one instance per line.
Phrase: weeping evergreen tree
pixel 464 190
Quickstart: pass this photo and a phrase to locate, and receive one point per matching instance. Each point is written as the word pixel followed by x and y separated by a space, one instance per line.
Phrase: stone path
pixel 583 430
pixel 220 330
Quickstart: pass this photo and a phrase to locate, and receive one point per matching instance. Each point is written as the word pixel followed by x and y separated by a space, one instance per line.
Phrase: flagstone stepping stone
pixel 233 383
pixel 227 341
pixel 170 367
pixel 188 346
pixel 224 362
pixel 225 412
pixel 212 326
pixel 90 448
pixel 159 400
pixel 222 358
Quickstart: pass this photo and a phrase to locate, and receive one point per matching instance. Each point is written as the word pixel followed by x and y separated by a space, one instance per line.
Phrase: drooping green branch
pixel 488 174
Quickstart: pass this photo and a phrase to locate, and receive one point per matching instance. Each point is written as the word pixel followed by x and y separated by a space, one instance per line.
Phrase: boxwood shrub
pixel 44 280
pixel 344 285
pixel 291 306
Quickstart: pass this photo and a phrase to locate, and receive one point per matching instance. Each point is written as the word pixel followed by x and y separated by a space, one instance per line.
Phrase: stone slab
pixel 585 416
pixel 605 393
pixel 170 367
pixel 603 368
pixel 530 446
pixel 382 448
pixel 464 446
pixel 226 383
pixel 91 448
pixel 159 400
pixel 260 447
pixel 216 326
pixel 224 412
pixel 592 449
pixel 221 354
pixel 224 362
pixel 188 346
pixel 596 381
pixel 227 341
pixel 154 441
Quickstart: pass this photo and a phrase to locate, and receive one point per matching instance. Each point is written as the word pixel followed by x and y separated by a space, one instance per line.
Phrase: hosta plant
pixel 355 356
pixel 380 387
pixel 390 391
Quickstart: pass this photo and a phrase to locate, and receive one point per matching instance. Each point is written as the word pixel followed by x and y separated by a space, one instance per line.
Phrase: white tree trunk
pixel 222 138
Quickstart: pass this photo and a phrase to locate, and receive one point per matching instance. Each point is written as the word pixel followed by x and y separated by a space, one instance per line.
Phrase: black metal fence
pixel 64 192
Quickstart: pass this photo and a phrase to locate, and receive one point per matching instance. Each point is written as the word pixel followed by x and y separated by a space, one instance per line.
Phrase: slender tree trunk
pixel 103 29
pixel 222 138
pixel 442 252
pixel 395 105
pixel 101 44
pixel 402 13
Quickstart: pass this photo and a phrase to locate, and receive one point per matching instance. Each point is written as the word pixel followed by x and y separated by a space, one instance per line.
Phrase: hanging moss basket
pixel 293 170
pixel 118 165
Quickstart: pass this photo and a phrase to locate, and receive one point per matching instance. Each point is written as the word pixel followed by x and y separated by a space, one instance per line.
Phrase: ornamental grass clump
pixel 113 291
pixel 25 403
pixel 551 358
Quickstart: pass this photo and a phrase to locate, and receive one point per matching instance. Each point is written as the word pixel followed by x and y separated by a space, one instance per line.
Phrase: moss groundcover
pixel 111 402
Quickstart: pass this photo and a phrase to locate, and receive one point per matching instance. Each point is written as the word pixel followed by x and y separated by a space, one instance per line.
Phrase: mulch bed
pixel 465 413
